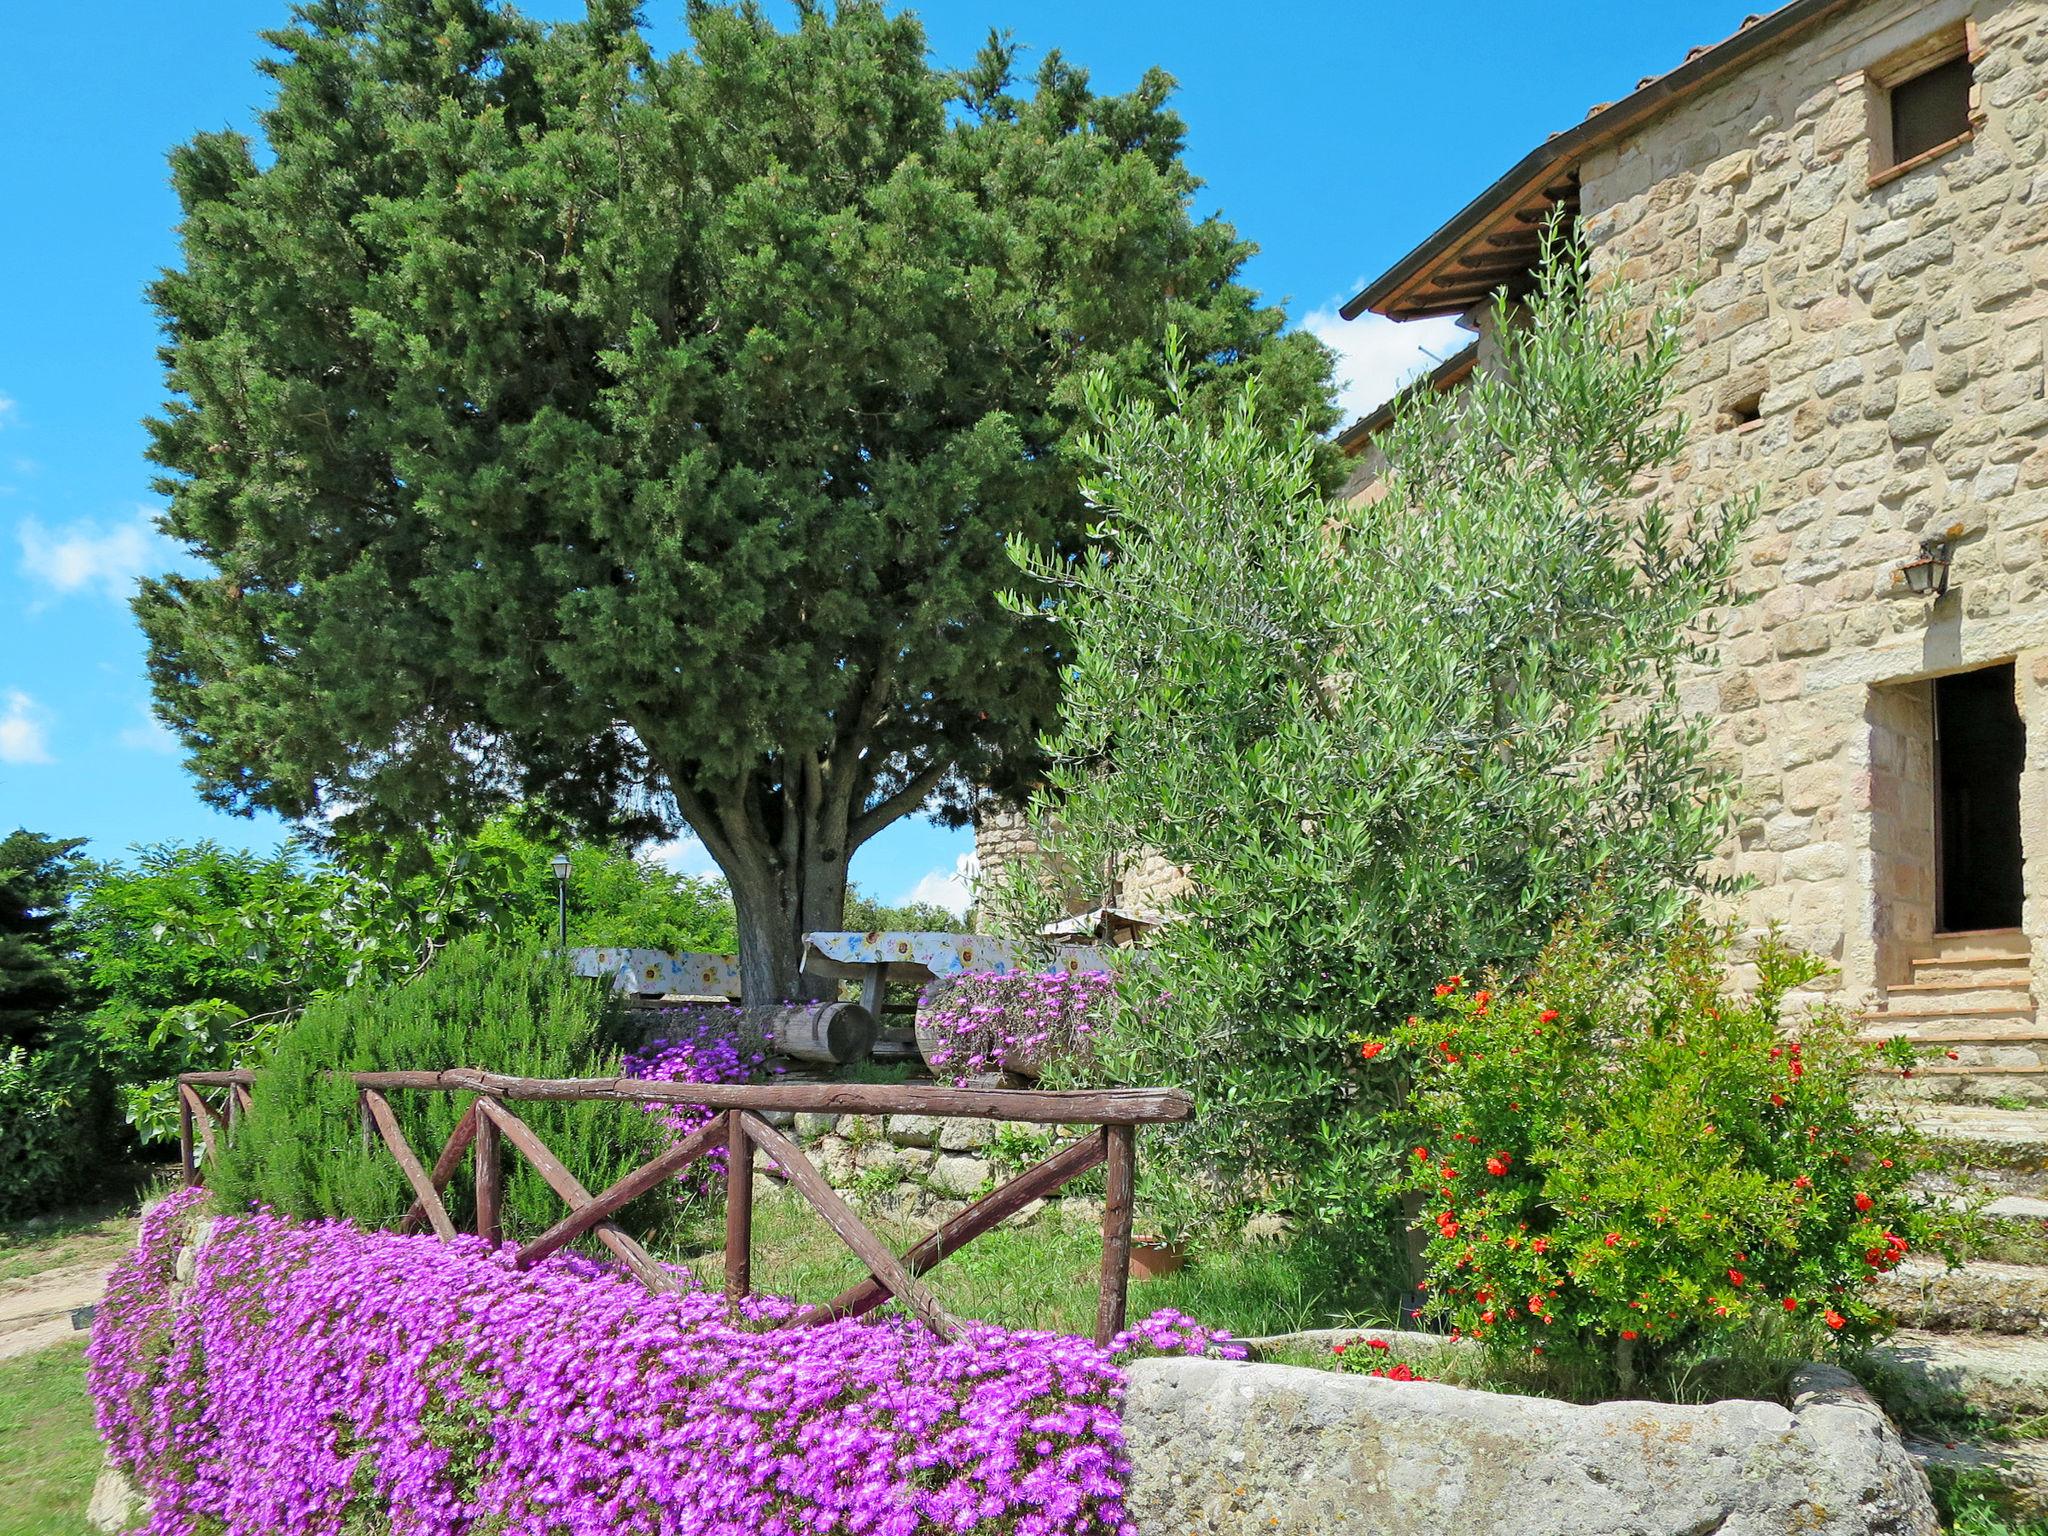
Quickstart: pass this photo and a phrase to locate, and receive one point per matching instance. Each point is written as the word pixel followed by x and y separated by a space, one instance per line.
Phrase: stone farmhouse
pixel 1859 190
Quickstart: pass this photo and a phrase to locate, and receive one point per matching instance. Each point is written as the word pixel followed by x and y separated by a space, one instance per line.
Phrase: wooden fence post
pixel 187 1158
pixel 739 1208
pixel 490 1180
pixel 1119 1156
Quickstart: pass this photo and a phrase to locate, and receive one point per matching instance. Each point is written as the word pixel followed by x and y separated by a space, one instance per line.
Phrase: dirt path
pixel 35 1312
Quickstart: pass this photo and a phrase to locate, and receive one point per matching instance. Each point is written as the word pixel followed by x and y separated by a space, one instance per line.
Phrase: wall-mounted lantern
pixel 1927 576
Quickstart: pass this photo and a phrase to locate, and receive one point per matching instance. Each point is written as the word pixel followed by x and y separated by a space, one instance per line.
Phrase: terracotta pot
pixel 1154 1257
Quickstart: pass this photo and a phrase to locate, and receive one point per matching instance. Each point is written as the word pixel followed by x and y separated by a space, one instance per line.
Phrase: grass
pixel 1975 1505
pixel 49 1450
pixel 1042 1275
pixel 2006 1240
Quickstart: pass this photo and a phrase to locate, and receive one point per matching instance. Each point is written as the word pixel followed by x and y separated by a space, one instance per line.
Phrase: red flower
pixel 1483 1000
pixel 1611 1239
pixel 1497 1165
pixel 1336 1349
pixel 1377 1344
pixel 1628 1333
pixel 1798 1069
pixel 1371 1048
pixel 1539 1245
pixel 1422 1154
pixel 1486 1316
pixel 1802 1182
pixel 1448 1171
pixel 1447 987
pixel 1791 1303
pixel 1547 1016
pixel 1735 1277
pixel 1777 1101
pixel 1833 1318
pixel 1863 1201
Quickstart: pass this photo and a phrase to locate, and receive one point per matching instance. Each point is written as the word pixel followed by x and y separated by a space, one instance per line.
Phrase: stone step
pixel 1954 1083
pixel 2004 1197
pixel 2014 1142
pixel 1977 1297
pixel 1973 970
pixel 1952 1054
pixel 2019 1467
pixel 1981 944
pixel 1930 1375
pixel 1897 1020
pixel 2013 993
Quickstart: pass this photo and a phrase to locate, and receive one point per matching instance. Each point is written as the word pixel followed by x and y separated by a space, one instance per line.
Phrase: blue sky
pixel 1336 135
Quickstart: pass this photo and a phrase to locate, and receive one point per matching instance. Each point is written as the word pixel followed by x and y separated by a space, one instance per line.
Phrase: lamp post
pixel 560 865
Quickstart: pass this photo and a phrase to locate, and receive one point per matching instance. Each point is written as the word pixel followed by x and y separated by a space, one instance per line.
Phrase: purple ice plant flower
pixel 987 1020
pixel 704 1044
pixel 315 1377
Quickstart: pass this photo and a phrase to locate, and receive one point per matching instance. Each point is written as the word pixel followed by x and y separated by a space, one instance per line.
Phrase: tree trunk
pixel 777 906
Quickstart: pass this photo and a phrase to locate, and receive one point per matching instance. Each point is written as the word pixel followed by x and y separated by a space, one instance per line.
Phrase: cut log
pixel 831 1033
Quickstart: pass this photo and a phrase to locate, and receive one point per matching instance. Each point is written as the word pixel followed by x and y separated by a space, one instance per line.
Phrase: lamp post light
pixel 560 864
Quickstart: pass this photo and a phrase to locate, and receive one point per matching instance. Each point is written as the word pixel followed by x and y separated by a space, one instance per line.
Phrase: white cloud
pixel 148 734
pixel 10 411
pixel 953 890
pixel 22 738
pixel 684 855
pixel 82 555
pixel 1376 356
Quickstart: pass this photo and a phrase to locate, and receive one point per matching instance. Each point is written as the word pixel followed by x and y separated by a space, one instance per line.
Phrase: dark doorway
pixel 1979 747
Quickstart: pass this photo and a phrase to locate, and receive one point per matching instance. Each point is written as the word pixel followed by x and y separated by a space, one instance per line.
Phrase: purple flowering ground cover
pixel 700 1044
pixel 320 1378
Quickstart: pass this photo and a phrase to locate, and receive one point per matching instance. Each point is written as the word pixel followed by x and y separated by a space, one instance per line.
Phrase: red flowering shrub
pixel 1372 1357
pixel 1621 1159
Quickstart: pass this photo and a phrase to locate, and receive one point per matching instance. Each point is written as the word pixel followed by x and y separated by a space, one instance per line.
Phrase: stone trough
pixel 1232 1448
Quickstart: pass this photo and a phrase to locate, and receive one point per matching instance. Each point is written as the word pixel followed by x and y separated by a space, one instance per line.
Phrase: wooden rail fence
pixel 488 1126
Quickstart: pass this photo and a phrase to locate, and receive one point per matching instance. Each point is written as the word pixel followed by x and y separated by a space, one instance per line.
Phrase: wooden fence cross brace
pixel 444 1166
pixel 991 1210
pixel 597 1208
pixel 839 1216
pixel 424 1192
pixel 570 1188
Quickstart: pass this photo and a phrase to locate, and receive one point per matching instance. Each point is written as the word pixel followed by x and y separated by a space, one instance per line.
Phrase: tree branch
pixel 901 803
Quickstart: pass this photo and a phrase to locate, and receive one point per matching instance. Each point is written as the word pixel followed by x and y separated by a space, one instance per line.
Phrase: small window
pixel 1923 101
pixel 1931 110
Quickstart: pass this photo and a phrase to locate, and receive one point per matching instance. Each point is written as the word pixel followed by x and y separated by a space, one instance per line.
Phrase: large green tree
pixel 638 436
pixel 38 978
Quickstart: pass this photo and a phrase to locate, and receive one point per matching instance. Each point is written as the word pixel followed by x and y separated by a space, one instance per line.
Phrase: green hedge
pixel 503 1008
pixel 56 1129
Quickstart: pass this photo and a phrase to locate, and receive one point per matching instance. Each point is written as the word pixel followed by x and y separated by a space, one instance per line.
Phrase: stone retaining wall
pixel 917 1169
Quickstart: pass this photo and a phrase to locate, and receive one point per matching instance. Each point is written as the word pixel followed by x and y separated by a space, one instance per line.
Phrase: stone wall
pixel 1146 886
pixel 1887 334
pixel 921 1171
pixel 1890 336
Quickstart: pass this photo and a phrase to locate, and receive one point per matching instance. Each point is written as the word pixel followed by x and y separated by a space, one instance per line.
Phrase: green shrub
pixel 1383 738
pixel 54 1129
pixel 500 1007
pixel 1621 1161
